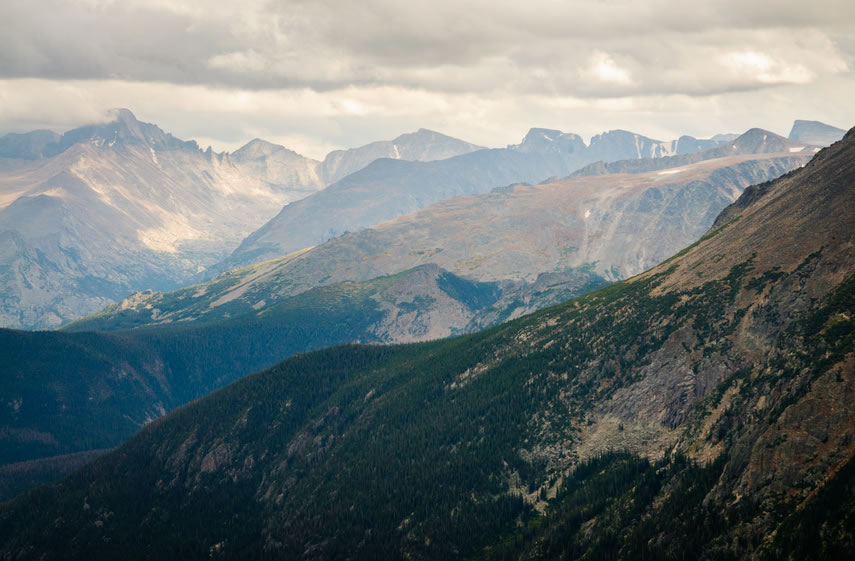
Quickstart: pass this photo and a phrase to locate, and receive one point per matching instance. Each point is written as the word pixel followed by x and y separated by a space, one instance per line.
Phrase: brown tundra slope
pixel 701 410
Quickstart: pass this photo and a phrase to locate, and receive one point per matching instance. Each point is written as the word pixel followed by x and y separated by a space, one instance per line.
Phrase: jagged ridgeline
pixel 698 411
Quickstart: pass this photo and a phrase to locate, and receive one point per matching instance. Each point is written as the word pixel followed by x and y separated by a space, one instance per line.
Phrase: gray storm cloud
pixel 322 74
pixel 587 48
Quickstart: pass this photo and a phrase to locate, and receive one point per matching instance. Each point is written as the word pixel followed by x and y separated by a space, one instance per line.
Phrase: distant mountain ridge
pixel 387 189
pixel 815 132
pixel 421 146
pixel 123 128
pixel 753 141
pixel 89 216
pixel 278 161
pixel 585 227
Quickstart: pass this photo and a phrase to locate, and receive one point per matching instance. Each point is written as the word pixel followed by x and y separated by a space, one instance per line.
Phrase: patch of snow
pixel 546 137
pixel 587 213
pixel 796 148
pixel 397 155
pixel 670 171
pixel 154 157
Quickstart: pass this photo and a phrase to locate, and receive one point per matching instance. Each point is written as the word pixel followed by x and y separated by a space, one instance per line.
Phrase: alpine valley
pixel 456 266
pixel 698 410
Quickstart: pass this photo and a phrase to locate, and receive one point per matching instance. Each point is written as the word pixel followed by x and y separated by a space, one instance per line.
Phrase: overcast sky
pixel 317 75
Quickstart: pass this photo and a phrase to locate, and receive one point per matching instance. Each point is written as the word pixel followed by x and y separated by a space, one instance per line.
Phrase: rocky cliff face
pixel 699 410
pixel 754 141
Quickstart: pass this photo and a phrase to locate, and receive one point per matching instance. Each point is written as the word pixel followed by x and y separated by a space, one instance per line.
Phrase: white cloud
pixel 603 68
pixel 326 73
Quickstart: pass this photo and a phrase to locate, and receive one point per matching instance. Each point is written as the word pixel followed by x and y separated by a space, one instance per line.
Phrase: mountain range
pixel 101 211
pixel 584 229
pixel 523 249
pixel 78 394
pixel 699 410
pixel 386 188
pixel 93 215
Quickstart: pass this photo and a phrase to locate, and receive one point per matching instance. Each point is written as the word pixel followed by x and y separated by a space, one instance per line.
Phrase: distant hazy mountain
pixel 387 188
pixel 815 132
pixel 420 146
pixel 98 212
pixel 724 137
pixel 753 141
pixel 277 165
pixel 29 146
pixel 282 166
pixel 89 216
pixel 588 228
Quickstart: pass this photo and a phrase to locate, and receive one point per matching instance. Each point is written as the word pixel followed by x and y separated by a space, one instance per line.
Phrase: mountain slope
pixel 105 210
pixel 724 376
pixel 71 392
pixel 583 228
pixel 387 189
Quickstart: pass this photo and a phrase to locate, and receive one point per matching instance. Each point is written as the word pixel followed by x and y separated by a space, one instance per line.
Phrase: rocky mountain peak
pixel 123 130
pixel 550 141
pixel 123 114
pixel 625 145
pixel 760 141
pixel 815 132
pixel 255 149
